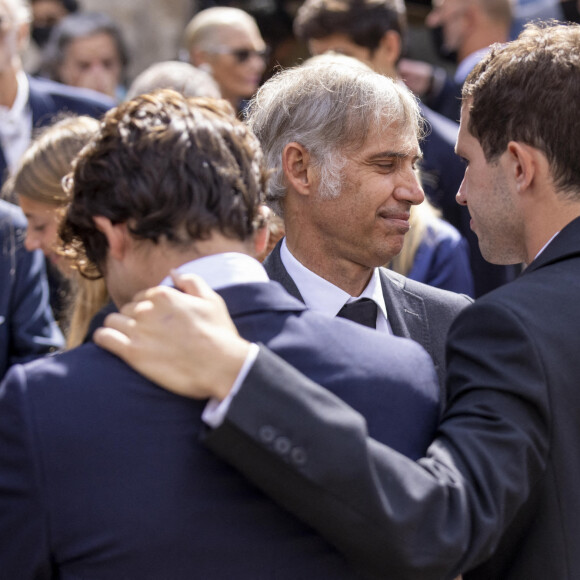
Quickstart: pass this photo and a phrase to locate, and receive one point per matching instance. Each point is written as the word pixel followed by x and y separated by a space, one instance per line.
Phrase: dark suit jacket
pixel 47 98
pixel 497 492
pixel 102 476
pixel 415 310
pixel 27 327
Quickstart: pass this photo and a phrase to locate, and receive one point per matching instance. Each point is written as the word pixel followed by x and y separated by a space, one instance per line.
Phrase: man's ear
pixel 526 164
pixel 116 234
pixel 297 167
pixel 262 235
pixel 388 52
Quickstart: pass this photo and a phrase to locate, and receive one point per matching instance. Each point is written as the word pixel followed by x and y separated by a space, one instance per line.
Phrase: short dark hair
pixel 172 168
pixel 526 91
pixel 363 21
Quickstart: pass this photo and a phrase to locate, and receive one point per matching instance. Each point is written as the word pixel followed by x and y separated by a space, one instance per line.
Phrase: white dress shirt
pixel 16 125
pixel 220 271
pixel 323 296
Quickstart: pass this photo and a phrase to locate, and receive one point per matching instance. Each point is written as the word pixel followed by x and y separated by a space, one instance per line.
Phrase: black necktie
pixel 363 311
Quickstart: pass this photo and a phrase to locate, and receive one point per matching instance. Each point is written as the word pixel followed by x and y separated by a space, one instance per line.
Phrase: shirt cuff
pixel 215 411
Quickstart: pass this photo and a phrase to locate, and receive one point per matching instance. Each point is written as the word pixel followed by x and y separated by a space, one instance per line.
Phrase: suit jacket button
pixel 282 445
pixel 267 434
pixel 298 456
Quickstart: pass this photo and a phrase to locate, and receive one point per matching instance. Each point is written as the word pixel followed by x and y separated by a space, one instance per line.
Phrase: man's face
pixel 449 16
pixel 239 61
pixel 491 199
pixel 366 224
pixel 92 62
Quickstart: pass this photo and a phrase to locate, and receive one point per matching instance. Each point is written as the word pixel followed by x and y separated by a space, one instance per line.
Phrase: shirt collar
pixel 221 270
pixel 323 296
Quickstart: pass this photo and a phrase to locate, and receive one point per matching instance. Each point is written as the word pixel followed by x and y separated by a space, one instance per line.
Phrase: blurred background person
pixel 182 77
pixel 226 43
pixel 46 14
pixel 37 186
pixel 27 102
pixel 462 32
pixel 27 327
pixel 87 50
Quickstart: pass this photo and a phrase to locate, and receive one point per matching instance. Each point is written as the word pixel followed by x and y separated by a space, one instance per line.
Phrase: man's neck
pixel 150 264
pixel 8 87
pixel 350 277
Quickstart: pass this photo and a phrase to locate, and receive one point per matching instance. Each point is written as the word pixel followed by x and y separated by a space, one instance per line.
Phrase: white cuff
pixel 215 411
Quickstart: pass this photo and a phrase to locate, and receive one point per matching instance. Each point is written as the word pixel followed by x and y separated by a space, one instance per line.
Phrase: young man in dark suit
pixel 495 497
pixel 101 476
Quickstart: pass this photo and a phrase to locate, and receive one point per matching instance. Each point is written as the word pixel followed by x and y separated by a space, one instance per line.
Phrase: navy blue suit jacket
pixel 103 476
pixel 27 327
pixel 47 98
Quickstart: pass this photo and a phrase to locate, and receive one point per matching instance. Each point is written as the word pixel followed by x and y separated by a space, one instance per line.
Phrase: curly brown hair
pixel 172 168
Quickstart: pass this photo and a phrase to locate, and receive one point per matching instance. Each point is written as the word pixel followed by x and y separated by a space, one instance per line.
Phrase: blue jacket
pixel 47 98
pixel 27 328
pixel 103 475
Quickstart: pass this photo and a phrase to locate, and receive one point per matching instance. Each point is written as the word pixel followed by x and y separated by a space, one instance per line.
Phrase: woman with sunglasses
pixel 227 43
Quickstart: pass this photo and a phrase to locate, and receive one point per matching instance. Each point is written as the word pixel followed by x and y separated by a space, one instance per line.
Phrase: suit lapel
pixel 406 311
pixel 41 105
pixel 277 272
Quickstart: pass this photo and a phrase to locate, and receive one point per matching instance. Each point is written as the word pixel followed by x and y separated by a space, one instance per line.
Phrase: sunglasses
pixel 242 54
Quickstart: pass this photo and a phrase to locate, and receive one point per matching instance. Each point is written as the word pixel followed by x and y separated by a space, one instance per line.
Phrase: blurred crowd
pixel 228 51
pixel 64 79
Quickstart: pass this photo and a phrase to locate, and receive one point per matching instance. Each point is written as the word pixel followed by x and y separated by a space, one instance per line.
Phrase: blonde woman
pixel 36 186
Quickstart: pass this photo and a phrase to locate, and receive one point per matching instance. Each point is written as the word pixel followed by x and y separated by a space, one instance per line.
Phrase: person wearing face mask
pixel 463 31
pixel 26 102
pixel 226 43
pixel 46 14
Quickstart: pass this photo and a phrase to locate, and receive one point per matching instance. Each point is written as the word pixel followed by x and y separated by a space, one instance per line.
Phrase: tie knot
pixel 363 311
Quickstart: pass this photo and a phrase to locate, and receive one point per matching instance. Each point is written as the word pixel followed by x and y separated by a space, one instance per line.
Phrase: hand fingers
pixel 112 340
pixel 192 284
pixel 136 307
pixel 120 322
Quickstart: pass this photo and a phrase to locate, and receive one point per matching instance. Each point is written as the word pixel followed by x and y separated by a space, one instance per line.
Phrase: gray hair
pixel 328 105
pixel 20 10
pixel 179 76
pixel 203 29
